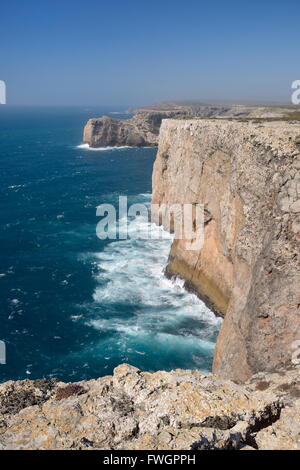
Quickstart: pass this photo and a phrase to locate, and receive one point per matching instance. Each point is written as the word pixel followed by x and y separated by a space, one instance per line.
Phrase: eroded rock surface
pixel 181 409
pixel 247 176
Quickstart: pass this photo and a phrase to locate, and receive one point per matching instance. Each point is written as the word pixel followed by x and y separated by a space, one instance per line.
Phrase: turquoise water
pixel 73 306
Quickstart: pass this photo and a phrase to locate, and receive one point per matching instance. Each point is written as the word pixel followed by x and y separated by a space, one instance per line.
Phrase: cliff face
pixel 141 130
pixel 247 177
pixel 176 410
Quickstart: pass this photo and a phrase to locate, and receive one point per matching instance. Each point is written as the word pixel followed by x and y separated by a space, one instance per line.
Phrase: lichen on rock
pixel 178 410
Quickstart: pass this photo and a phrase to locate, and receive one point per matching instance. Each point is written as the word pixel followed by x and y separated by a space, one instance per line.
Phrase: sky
pixel 129 52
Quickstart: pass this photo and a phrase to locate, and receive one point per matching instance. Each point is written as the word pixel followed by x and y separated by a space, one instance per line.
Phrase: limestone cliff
pixel 247 177
pixel 178 410
pixel 143 128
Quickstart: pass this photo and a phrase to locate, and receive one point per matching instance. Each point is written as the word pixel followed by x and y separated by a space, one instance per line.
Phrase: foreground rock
pixel 247 176
pixel 164 410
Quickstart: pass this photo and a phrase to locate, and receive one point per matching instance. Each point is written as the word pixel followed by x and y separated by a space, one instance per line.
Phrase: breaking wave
pixel 153 321
pixel 100 149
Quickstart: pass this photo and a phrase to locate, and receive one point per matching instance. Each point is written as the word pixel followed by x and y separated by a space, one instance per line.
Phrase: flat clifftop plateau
pixel 247 176
pixel 143 128
pixel 177 410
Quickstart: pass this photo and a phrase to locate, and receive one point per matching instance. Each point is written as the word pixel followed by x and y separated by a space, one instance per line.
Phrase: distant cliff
pixel 143 128
pixel 139 131
pixel 247 177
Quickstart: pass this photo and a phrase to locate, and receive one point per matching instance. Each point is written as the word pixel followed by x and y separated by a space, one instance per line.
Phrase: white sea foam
pixel 103 149
pixel 17 186
pixel 100 149
pixel 117 112
pixel 131 273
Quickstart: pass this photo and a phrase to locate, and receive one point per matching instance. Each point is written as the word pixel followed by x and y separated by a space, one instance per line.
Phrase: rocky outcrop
pixel 247 177
pixel 178 410
pixel 141 130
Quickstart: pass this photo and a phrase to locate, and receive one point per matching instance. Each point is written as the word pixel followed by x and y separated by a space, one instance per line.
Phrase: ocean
pixel 73 306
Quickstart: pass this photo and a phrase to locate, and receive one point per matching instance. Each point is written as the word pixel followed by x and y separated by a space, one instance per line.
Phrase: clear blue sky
pixel 135 52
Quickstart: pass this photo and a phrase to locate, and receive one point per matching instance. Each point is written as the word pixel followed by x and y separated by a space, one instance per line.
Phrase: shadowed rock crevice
pixel 219 422
pixel 16 398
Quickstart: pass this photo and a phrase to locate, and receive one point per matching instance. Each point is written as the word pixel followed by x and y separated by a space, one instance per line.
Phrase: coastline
pixel 187 409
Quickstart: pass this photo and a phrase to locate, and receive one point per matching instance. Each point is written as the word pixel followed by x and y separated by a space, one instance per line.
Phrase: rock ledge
pixel 177 410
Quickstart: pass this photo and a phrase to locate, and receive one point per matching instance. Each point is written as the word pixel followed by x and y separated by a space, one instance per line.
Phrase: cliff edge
pixel 247 176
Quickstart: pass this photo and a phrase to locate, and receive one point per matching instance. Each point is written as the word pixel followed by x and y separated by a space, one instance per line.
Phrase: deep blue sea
pixel 73 306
